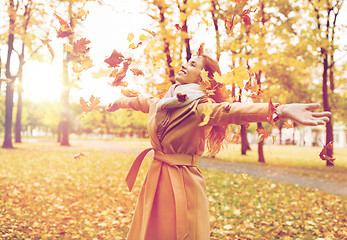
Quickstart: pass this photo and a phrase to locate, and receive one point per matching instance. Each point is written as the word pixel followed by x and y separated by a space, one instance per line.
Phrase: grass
pixel 45 193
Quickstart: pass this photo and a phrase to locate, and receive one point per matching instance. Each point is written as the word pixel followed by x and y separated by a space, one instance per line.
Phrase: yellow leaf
pixel 206 111
pixel 142 37
pixel 130 37
pixel 273 139
pixel 206 22
pixel 239 75
pixel 68 48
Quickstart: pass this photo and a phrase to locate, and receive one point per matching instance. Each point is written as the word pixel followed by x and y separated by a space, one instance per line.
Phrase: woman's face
pixel 190 71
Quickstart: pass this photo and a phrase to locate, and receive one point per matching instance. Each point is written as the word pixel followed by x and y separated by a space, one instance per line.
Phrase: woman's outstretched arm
pixel 138 103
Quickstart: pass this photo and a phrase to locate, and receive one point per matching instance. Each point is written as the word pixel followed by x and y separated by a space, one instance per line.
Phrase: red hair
pixel 218 134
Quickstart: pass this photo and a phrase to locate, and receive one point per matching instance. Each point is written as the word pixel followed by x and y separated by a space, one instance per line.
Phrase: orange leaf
pixel 229 24
pixel 65 29
pixel 81 154
pixel 129 93
pixel 93 104
pixel 115 59
pixel 262 134
pixel 137 72
pixel 244 175
pixel 80 47
pixel 182 97
pixel 235 138
pixel 323 154
pixel 201 49
pixel 119 75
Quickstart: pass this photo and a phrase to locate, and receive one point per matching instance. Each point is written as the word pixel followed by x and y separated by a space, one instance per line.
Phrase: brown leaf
pixel 201 49
pixel 182 97
pixel 323 154
pixel 120 75
pixel 150 32
pixel 178 27
pixel 65 29
pixel 137 72
pixel 115 59
pixel 288 125
pixel 80 47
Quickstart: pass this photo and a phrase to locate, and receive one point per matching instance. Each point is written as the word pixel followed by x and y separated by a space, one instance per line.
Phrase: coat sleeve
pixel 140 103
pixel 238 113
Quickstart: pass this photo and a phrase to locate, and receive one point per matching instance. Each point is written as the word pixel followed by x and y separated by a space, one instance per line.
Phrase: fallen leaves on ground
pixel 45 195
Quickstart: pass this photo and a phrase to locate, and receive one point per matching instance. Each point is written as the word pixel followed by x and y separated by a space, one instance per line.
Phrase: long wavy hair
pixel 218 135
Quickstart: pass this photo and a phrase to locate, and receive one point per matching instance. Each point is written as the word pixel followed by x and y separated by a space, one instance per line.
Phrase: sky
pixel 107 27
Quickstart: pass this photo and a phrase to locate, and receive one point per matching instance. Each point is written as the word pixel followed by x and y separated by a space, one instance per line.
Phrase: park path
pixel 258 170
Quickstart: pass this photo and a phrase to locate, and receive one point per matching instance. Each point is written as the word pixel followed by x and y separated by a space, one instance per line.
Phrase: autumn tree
pixel 323 17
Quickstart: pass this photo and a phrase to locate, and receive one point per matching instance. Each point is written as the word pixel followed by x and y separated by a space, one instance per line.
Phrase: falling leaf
pixel 102 73
pixel 173 63
pixel 235 138
pixel 50 49
pixel 142 37
pixel 324 153
pixel 93 104
pixel 137 72
pixel 178 27
pixel 130 37
pixel 87 63
pixel 201 49
pixel 206 111
pixel 80 47
pixel 6 80
pixel 65 29
pixel 182 97
pixel 240 74
pixel 150 32
pixel 115 59
pixel 133 46
pixel 129 93
pixel 119 75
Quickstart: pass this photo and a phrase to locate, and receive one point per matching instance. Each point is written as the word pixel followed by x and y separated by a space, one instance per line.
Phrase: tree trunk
pixel 215 17
pixel 10 85
pixel 65 113
pixel 18 125
pixel 329 125
pixel 244 142
pixel 261 157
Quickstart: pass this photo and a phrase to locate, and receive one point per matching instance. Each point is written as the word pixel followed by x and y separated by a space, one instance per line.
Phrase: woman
pixel 172 203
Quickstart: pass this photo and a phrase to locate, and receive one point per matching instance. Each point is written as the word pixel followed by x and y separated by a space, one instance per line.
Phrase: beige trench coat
pixel 172 203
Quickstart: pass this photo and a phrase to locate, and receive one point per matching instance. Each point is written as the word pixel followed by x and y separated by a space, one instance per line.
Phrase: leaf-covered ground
pixel 45 193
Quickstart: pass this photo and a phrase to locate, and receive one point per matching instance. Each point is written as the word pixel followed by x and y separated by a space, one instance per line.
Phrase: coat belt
pixel 178 185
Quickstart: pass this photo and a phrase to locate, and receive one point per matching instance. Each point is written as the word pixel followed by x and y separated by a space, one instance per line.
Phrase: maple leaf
pixel 245 17
pixel 201 49
pixel 86 63
pixel 323 154
pixel 129 93
pixel 93 104
pixel 119 75
pixel 137 72
pixel 150 32
pixel 206 111
pixel 80 47
pixel 182 97
pixel 178 27
pixel 288 125
pixel 239 74
pixel 65 29
pixel 115 59
pixel 50 49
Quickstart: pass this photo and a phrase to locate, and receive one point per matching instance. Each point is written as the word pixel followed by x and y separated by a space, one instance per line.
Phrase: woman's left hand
pixel 304 113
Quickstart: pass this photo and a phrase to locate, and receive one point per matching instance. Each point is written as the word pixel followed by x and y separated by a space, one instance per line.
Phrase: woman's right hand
pixel 112 107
